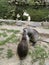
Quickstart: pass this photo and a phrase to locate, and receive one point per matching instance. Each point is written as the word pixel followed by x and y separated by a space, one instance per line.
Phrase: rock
pixel 19 23
pixel 35 24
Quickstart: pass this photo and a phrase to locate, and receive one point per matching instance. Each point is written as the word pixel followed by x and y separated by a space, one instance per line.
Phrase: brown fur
pixel 22 49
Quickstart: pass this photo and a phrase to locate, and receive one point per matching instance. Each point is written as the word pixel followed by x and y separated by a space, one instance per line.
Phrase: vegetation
pixel 12 38
pixel 40 14
pixel 6 10
pixel 38 9
pixel 3 34
pixel 38 53
pixel 9 53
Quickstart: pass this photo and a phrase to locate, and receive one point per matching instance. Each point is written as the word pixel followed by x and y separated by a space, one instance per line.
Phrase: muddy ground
pixel 9 39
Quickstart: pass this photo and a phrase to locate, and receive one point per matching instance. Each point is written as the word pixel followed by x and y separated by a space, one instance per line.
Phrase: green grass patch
pixel 14 40
pixel 9 53
pixel 38 53
pixel 12 37
pixel 3 34
pixel 5 41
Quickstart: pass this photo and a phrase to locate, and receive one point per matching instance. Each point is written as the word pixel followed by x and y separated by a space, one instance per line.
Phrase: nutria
pixel 33 35
pixel 22 48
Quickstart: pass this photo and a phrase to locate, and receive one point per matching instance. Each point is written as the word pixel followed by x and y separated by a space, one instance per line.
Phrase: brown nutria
pixel 33 35
pixel 22 48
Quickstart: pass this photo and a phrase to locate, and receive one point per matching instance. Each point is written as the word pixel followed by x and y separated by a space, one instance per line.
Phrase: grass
pixel 38 53
pixel 3 34
pixel 14 31
pixel 12 37
pixel 9 53
pixel 5 41
pixel 42 62
pixel 14 40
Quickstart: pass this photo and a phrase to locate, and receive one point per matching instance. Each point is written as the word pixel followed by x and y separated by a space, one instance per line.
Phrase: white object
pixel 29 18
pixel 18 15
pixel 25 14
